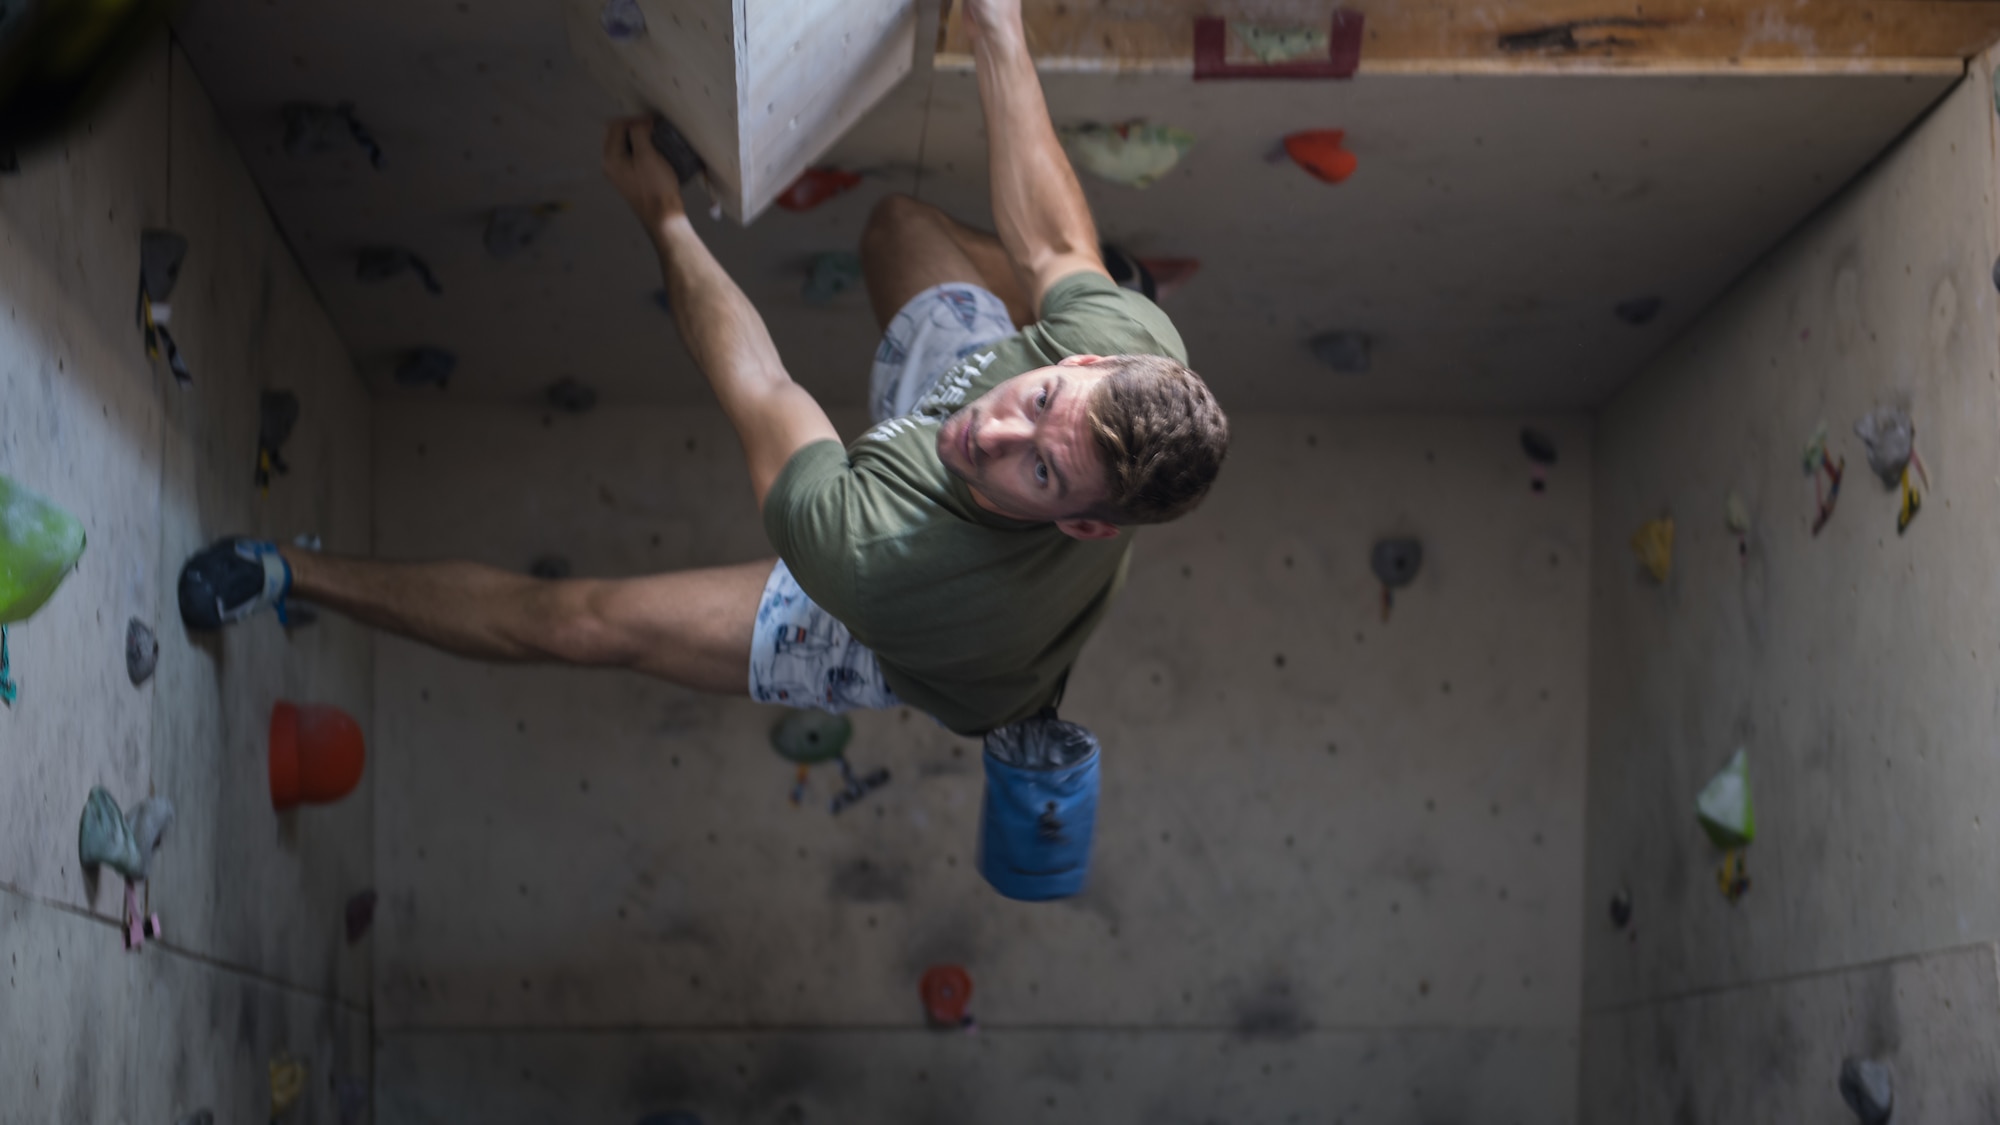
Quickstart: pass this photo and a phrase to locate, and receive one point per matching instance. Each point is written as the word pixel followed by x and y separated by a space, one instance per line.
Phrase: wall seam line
pixel 1786 978
pixel 183 952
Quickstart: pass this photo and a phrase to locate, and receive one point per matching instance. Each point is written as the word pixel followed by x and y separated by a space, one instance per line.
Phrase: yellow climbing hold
pixel 1654 544
pixel 39 545
pixel 288 1081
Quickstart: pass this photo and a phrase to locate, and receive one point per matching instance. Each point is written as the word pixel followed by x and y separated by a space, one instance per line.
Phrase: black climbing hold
pixel 1128 272
pixel 510 230
pixel 161 253
pixel 550 567
pixel 622 20
pixel 1349 353
pixel 425 367
pixel 360 915
pixel 377 264
pixel 1621 908
pixel 10 162
pixel 1996 262
pixel 1868 1087
pixel 1396 561
pixel 668 142
pixel 1540 447
pixel 1639 310
pixel 277 414
pixel 570 396
pixel 312 129
pixel 664 300
pixel 142 652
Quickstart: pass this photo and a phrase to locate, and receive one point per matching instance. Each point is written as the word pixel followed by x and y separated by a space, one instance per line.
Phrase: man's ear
pixel 1087 529
pixel 1079 360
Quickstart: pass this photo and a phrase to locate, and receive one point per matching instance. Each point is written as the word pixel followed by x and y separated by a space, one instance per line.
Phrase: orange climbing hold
pixel 946 990
pixel 316 754
pixel 817 186
pixel 1318 151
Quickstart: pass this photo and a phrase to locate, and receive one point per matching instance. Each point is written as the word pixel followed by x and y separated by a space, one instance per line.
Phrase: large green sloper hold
pixel 39 544
pixel 1724 806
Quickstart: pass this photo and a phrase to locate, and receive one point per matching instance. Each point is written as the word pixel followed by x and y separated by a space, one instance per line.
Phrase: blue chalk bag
pixel 1040 809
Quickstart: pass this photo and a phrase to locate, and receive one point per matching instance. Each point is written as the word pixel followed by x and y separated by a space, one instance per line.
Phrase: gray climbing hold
pixel 1396 561
pixel 570 396
pixel 312 129
pixel 668 142
pixel 550 567
pixel 510 230
pixel 1890 436
pixel 142 652
pixel 622 20
pixel 1639 310
pixel 103 837
pixel 1348 352
pixel 425 367
pixel 148 820
pixel 1868 1087
pixel 377 264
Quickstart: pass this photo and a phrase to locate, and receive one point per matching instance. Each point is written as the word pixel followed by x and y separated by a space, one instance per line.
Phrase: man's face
pixel 1026 448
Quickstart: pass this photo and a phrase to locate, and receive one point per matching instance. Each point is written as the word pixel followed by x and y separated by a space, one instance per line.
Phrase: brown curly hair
pixel 1162 435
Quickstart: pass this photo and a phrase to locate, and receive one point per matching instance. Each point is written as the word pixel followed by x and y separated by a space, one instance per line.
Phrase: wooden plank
pixel 1117 34
pixel 761 89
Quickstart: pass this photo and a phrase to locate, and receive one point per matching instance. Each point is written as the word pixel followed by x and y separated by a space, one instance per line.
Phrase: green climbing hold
pixel 831 274
pixel 1135 153
pixel 811 736
pixel 39 544
pixel 1724 806
pixel 104 837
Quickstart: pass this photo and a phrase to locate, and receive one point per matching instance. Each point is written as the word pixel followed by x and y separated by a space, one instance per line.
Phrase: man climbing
pixel 956 557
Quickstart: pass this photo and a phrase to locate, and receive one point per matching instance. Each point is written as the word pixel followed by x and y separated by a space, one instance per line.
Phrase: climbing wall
pixel 1854 666
pixel 1338 861
pixel 252 960
pixel 1496 223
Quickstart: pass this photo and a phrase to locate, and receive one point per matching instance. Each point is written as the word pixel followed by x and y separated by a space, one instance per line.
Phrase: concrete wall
pixel 1856 667
pixel 1338 866
pixel 254 960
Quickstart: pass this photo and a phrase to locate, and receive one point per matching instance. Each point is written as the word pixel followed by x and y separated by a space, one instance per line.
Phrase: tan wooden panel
pixel 1530 32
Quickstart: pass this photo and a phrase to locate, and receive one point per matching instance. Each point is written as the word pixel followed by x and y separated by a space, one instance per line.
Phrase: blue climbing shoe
pixel 231 579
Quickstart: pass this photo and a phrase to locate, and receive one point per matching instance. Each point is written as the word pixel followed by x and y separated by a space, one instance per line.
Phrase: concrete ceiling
pixel 1494 224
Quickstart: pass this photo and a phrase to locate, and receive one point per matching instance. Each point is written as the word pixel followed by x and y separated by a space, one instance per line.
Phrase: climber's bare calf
pixel 690 627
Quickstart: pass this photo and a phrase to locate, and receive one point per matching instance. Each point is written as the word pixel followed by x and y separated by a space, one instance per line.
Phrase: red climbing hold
pixel 815 187
pixel 1318 151
pixel 946 990
pixel 316 754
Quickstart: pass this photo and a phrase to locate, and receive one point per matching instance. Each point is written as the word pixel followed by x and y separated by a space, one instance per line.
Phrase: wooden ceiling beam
pixel 1531 35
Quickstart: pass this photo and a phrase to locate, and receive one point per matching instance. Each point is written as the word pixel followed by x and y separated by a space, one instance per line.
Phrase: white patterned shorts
pixel 800 655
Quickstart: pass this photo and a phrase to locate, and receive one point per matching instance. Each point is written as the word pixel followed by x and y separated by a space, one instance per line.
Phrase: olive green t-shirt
pixel 973 616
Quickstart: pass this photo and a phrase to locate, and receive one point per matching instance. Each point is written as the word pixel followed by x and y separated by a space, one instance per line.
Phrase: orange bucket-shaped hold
pixel 316 754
